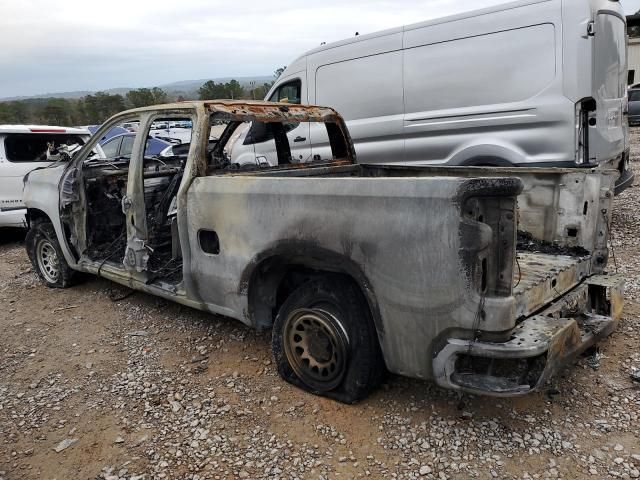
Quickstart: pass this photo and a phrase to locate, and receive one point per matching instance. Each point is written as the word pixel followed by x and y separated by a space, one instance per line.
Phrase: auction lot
pixel 142 388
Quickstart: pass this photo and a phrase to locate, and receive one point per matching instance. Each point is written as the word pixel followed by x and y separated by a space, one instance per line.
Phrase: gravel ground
pixel 93 385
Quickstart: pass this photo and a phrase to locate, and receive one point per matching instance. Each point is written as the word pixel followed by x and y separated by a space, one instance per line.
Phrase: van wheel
pixel 46 256
pixel 324 341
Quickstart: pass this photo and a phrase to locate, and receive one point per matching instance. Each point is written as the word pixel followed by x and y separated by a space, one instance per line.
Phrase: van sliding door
pixel 363 82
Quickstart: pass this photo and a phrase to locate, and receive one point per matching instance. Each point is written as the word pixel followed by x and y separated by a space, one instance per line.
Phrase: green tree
pixel 261 91
pixel 211 90
pixel 5 113
pixel 234 90
pixel 140 97
pixel 57 111
pixel 143 97
pixel 100 106
pixel 19 111
pixel 159 96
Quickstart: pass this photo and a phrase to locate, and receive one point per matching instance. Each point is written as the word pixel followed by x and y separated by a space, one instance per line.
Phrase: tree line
pixel 98 107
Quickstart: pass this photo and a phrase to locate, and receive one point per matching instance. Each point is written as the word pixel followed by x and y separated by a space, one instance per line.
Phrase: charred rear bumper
pixel 538 347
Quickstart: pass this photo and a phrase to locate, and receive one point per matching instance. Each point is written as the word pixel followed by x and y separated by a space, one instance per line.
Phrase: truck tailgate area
pixel 540 278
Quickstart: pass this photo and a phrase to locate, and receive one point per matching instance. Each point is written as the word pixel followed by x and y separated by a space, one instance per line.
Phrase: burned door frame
pixel 133 205
pixel 78 218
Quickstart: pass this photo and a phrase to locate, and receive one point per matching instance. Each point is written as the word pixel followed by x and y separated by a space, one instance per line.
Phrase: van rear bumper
pixel 627 176
pixel 625 181
pixel 539 346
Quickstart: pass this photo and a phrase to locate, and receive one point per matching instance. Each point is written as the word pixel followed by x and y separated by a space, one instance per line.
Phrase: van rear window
pixel 32 147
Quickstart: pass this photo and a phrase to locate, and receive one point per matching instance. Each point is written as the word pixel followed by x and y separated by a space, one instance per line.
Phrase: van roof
pixel 43 129
pixel 436 21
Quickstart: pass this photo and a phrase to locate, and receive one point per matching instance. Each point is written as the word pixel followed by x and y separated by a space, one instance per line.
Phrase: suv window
pixel 288 92
pixel 32 147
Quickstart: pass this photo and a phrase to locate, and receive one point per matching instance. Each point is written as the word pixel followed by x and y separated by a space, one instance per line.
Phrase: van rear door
pixel 606 139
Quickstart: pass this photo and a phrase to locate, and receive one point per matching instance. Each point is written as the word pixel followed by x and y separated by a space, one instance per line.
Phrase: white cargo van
pixel 532 82
pixel 22 149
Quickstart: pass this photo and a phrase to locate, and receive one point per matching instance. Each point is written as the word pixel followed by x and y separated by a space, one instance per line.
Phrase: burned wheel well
pixel 275 278
pixel 34 215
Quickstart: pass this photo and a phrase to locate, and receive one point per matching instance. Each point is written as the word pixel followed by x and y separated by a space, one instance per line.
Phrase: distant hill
pixel 187 88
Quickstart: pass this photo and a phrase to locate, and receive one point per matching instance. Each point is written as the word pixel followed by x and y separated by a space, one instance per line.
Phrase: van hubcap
pixel 48 261
pixel 316 347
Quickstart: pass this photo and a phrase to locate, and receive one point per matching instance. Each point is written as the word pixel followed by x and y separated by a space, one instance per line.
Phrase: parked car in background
pixel 634 106
pixel 180 124
pixel 527 83
pixel 182 149
pixel 172 134
pixel 117 130
pixel 122 145
pixel 22 149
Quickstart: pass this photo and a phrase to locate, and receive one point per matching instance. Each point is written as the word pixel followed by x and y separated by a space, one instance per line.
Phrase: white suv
pixel 22 149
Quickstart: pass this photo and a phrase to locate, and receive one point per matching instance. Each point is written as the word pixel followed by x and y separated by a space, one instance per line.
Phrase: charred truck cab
pixel 484 280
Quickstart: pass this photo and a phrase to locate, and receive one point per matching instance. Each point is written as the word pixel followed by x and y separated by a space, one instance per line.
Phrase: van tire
pixel 324 340
pixel 46 256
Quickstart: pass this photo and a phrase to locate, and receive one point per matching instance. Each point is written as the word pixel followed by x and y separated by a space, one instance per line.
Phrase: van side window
pixel 260 133
pixel 288 93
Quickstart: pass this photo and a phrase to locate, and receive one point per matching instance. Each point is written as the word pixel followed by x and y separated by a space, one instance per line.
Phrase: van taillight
pixel 583 109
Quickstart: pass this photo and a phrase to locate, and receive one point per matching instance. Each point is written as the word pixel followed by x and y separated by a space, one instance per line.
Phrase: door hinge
pixel 127 203
pixel 591 29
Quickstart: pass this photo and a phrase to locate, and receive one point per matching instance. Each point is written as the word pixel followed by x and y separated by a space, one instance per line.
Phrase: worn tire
pixel 46 256
pixel 353 360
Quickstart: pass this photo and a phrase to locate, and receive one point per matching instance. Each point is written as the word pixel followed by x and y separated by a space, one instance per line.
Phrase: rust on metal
pixel 540 278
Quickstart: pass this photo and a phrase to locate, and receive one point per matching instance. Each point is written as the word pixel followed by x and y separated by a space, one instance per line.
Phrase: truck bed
pixel 559 220
pixel 540 278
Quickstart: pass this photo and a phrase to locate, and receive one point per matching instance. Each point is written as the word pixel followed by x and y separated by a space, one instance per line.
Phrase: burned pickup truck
pixel 485 280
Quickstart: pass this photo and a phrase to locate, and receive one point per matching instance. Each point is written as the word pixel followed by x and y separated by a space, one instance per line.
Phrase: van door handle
pixel 299 139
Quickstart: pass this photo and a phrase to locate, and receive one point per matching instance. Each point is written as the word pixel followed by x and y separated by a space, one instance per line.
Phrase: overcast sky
pixel 56 45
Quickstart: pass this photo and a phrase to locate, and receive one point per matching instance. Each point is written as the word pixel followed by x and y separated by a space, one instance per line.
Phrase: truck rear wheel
pixel 46 256
pixel 324 341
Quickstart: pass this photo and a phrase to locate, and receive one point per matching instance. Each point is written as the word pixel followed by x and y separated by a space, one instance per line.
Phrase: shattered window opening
pixel 33 147
pixel 257 145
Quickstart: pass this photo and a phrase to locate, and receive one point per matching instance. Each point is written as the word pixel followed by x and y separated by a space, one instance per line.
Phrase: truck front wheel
pixel 46 256
pixel 324 341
